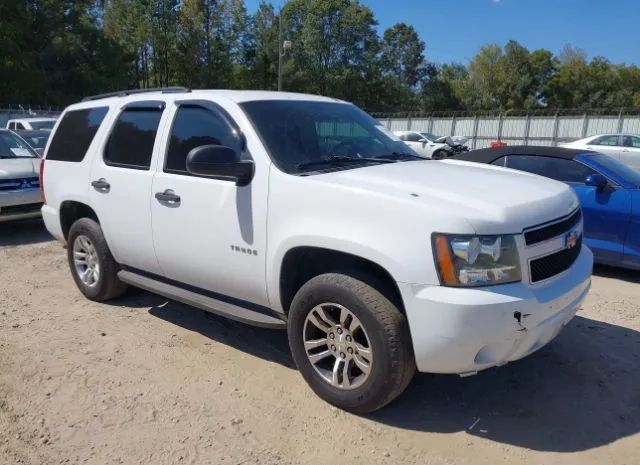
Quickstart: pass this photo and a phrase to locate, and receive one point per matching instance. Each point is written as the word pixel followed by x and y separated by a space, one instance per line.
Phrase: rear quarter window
pixel 75 133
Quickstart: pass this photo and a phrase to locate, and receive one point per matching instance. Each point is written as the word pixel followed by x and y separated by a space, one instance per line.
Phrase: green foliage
pixel 57 51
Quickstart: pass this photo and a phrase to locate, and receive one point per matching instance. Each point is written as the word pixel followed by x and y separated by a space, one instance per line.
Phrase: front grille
pixel 551 265
pixel 19 184
pixel 20 209
pixel 553 230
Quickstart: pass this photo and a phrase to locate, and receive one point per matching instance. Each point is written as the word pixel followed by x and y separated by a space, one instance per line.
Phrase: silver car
pixel 622 147
pixel 20 196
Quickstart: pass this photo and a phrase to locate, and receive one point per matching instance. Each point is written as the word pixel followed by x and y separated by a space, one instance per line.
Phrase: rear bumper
pixel 468 330
pixel 20 204
pixel 52 222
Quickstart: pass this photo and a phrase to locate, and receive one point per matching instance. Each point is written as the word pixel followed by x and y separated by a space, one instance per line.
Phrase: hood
pixel 452 140
pixel 493 200
pixel 14 168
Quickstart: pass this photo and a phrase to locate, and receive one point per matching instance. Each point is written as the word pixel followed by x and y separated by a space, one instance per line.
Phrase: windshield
pixel 42 124
pixel 618 168
pixel 299 134
pixel 429 136
pixel 12 146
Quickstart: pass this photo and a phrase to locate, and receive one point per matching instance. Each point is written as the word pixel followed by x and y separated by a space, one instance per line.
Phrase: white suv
pixel 303 212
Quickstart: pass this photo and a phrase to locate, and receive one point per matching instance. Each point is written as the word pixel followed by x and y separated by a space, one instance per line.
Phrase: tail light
pixel 41 176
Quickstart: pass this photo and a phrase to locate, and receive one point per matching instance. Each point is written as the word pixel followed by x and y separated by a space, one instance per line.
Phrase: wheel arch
pixel 301 263
pixel 71 211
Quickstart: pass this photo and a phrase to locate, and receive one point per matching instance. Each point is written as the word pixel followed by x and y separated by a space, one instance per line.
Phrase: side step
pixel 203 302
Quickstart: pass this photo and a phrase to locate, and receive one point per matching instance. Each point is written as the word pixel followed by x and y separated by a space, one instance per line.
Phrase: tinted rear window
pixel 131 142
pixel 75 134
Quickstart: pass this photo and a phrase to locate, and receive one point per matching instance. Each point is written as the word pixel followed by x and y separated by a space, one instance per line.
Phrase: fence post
pixel 475 132
pixel 585 126
pixel 453 125
pixel 389 122
pixel 527 129
pixel 620 121
pixel 500 127
pixel 556 124
pixel 431 122
pixel 408 121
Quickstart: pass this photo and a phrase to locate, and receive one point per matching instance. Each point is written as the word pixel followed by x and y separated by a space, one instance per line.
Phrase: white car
pixel 429 145
pixel 31 124
pixel 622 147
pixel 19 184
pixel 303 212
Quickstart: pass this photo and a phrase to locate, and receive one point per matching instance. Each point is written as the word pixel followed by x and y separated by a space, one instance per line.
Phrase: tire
pixel 392 363
pixel 439 155
pixel 107 285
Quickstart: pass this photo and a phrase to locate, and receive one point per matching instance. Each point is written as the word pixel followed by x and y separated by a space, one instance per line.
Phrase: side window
pixel 20 127
pixel 606 140
pixel 413 137
pixel 192 127
pixel 502 161
pixel 559 169
pixel 12 126
pixel 130 144
pixel 631 141
pixel 75 133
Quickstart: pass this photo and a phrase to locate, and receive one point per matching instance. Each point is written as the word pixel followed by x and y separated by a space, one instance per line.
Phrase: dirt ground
pixel 144 380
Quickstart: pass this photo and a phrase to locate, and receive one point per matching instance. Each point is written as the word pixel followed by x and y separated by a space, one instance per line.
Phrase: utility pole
pixel 283 46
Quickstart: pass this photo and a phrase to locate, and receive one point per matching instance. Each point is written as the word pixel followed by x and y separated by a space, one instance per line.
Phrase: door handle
pixel 625 150
pixel 101 185
pixel 168 196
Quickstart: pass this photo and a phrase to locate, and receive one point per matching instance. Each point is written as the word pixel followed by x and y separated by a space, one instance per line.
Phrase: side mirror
pixel 596 180
pixel 220 162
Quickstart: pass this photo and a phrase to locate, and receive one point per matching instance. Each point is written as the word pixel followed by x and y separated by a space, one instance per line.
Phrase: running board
pixel 203 302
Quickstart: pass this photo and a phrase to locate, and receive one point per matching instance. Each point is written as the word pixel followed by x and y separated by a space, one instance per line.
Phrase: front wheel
pixel 439 155
pixel 351 344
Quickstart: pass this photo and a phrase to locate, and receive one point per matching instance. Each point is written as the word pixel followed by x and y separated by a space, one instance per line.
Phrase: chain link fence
pixel 8 112
pixel 537 127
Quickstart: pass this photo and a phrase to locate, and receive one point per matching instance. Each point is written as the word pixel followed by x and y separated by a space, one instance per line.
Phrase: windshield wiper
pixel 339 159
pixel 398 155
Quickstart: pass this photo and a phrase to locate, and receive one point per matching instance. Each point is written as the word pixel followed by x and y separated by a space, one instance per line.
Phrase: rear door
pixel 120 183
pixel 606 213
pixel 609 144
pixel 630 152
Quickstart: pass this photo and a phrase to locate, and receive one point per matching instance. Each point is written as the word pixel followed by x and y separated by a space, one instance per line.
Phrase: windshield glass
pixel 300 133
pixel 618 168
pixel 12 146
pixel 429 136
pixel 42 124
pixel 37 142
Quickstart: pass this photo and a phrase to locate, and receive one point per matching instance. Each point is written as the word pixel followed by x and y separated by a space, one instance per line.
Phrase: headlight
pixel 468 261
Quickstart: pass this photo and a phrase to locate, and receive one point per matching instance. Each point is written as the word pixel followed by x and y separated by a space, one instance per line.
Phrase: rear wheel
pixel 351 344
pixel 439 155
pixel 92 266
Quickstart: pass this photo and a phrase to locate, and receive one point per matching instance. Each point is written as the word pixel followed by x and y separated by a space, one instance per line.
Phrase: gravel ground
pixel 144 380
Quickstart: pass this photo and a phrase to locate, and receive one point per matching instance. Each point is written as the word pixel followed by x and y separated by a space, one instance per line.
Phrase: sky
pixel 454 30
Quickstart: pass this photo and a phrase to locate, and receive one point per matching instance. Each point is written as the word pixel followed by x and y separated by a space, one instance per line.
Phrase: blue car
pixel 609 194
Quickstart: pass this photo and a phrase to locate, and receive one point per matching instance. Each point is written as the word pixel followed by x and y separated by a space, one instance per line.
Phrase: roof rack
pixel 124 93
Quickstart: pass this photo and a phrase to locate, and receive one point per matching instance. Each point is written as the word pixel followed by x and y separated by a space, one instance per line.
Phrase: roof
pixel 237 96
pixel 491 154
pixel 33 119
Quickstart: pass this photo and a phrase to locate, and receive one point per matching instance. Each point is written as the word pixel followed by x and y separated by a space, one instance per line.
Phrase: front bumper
pixel 462 331
pixel 20 204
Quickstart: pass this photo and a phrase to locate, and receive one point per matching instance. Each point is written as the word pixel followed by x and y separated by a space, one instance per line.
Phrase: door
pixel 606 212
pixel 212 234
pixel 418 143
pixel 609 145
pixel 121 181
pixel 630 152
pixel 632 242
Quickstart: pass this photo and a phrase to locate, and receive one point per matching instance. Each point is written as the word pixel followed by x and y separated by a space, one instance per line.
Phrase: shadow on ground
pixel 23 232
pixel 632 276
pixel 580 392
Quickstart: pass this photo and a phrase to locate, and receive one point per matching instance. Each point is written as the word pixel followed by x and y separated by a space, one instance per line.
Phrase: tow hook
pixel 519 316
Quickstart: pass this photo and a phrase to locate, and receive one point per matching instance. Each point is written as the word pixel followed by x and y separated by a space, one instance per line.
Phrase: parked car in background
pixel 37 140
pixel 31 124
pixel 609 194
pixel 19 184
pixel 303 212
pixel 622 147
pixel 429 145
